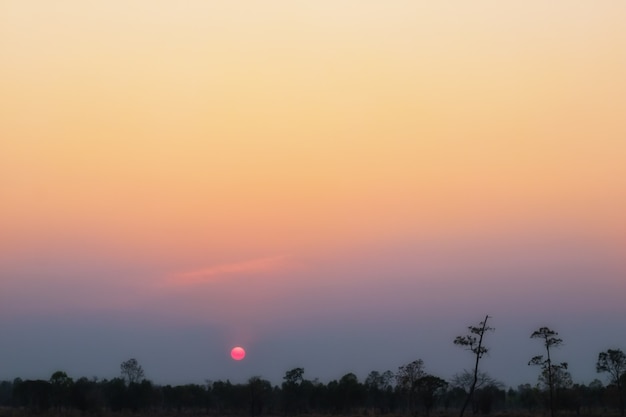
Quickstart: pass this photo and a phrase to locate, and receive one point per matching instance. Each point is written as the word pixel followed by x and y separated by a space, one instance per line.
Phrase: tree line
pixel 409 390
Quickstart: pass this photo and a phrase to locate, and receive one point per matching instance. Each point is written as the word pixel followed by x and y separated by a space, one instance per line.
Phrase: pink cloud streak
pixel 208 274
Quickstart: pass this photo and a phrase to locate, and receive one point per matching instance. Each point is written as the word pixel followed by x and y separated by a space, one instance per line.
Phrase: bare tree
pixel 465 379
pixel 132 372
pixel 474 343
pixel 376 380
pixel 550 340
pixel 561 378
pixel 613 361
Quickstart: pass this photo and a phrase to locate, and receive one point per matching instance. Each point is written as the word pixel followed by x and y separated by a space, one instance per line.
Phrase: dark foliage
pixel 411 390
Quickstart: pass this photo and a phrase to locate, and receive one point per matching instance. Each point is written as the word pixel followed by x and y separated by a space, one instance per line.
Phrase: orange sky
pixel 203 138
pixel 295 125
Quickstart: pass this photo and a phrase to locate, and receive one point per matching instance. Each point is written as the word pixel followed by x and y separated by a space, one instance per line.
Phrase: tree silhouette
pixel 465 380
pixel 407 379
pixel 486 388
pixel 349 393
pixel 292 391
pixel 561 378
pixel 87 395
pixel 61 389
pixel 378 388
pixel 116 394
pixel 474 343
pixel 548 369
pixel 260 391
pixel 613 362
pixel 33 394
pixel 429 388
pixel 132 372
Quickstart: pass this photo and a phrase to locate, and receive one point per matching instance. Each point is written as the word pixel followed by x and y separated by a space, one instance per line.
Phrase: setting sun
pixel 238 353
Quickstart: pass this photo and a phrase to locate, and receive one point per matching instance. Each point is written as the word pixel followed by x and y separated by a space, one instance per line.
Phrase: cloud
pixel 211 273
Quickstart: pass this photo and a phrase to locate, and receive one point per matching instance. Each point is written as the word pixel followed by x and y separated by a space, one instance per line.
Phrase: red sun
pixel 237 353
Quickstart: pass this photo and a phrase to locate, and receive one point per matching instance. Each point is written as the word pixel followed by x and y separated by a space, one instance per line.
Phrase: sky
pixel 342 186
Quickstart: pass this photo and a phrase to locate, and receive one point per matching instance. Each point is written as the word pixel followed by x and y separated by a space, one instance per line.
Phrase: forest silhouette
pixel 410 390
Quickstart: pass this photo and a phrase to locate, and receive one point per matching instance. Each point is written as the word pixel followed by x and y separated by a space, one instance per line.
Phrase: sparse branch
pixel 474 343
pixel 550 340
pixel 464 380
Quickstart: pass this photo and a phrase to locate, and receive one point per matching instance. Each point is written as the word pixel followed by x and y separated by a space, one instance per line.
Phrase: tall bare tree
pixel 550 340
pixel 613 361
pixel 474 343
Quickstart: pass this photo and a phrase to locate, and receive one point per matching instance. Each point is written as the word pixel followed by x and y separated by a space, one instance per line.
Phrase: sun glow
pixel 238 353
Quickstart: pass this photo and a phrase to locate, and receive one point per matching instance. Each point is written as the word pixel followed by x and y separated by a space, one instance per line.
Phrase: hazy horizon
pixel 342 186
pixel 191 357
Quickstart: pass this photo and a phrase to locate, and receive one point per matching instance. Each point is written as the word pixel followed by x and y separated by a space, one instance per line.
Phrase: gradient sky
pixel 338 185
